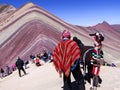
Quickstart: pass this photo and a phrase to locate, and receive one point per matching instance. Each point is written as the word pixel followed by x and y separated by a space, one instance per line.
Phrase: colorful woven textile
pixel 64 56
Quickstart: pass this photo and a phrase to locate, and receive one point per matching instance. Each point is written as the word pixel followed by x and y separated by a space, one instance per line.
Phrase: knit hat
pixel 66 34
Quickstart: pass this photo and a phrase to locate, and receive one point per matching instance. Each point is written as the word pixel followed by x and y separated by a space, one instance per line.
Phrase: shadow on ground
pixel 75 86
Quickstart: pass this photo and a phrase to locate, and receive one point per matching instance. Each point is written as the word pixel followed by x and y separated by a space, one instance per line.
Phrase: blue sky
pixel 78 12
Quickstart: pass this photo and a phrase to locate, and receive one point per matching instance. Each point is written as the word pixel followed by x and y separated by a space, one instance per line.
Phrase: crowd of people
pixel 42 56
pixel 5 71
pixel 66 58
pixel 19 64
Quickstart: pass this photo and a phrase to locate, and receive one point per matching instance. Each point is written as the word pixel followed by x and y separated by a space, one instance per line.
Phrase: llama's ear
pixel 92 34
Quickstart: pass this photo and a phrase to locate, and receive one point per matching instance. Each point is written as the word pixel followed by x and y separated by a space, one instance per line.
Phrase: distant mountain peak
pixel 105 23
pixel 31 3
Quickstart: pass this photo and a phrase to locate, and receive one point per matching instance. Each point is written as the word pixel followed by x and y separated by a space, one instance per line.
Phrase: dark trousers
pixel 67 82
pixel 77 74
pixel 19 70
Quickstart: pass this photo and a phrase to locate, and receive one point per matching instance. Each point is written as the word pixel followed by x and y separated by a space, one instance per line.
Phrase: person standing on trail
pixel 98 38
pixel 65 55
pixel 97 54
pixel 2 72
pixel 19 65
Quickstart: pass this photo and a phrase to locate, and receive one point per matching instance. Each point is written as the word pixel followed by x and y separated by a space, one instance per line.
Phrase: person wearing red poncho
pixel 66 53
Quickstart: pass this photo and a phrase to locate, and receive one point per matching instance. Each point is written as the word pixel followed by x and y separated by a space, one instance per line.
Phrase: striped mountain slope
pixel 31 28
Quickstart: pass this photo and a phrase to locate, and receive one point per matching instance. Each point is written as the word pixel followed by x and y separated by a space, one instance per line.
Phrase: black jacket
pixel 19 63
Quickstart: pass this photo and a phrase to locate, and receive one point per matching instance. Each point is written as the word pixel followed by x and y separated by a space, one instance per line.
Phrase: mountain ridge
pixel 31 28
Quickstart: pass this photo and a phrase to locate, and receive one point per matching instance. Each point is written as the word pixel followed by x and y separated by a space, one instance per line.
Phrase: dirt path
pixel 46 78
